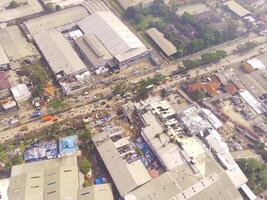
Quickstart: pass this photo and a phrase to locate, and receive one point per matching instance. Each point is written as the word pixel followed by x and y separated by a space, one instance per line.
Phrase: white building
pixel 4 183
pixel 4 62
pixel 20 92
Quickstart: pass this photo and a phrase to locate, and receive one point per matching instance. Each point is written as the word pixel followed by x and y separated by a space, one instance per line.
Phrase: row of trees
pixel 164 18
pixel 247 46
pixel 206 58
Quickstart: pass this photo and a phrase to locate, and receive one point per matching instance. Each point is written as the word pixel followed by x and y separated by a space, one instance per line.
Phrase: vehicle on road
pixel 36 114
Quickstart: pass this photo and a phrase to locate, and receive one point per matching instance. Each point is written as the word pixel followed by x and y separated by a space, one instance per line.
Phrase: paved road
pixel 232 59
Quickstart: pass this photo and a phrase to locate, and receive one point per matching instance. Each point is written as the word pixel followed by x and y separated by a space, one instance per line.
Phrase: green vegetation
pixel 163 93
pixel 198 95
pixel 50 8
pixel 122 88
pixel 256 172
pixel 247 46
pixel 85 165
pixel 12 4
pixel 205 59
pixel 58 104
pixel 143 86
pixel 38 76
pixel 187 34
pixel 58 7
pixel 86 183
pixel 139 152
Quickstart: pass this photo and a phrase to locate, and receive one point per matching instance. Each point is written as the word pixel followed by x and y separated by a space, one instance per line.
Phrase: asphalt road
pixel 81 103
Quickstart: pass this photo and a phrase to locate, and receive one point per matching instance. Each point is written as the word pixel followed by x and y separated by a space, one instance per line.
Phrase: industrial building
pixel 25 8
pixel 61 20
pixel 237 9
pixel 191 172
pixel 4 62
pixel 116 37
pixel 4 85
pixel 55 179
pixel 131 3
pixel 15 44
pixel 94 51
pixel 59 54
pixel 127 172
pixel 20 92
pixel 164 44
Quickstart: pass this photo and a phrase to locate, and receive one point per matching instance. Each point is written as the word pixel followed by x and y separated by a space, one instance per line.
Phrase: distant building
pixel 237 9
pixel 61 20
pixel 131 3
pixel 252 65
pixel 116 37
pixel 4 62
pixel 25 8
pixel 164 44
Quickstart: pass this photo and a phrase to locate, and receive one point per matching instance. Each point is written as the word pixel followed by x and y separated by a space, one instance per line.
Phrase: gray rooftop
pixel 59 53
pixel 15 44
pixel 55 179
pixel 3 58
pixel 131 3
pixel 57 20
pixel 93 49
pixel 125 176
pixel 117 38
pixel 96 192
pixel 164 44
pixel 26 8
pixel 183 184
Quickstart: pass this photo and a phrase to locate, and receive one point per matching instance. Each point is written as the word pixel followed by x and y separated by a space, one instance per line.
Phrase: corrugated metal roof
pixel 114 35
pixel 166 46
pixel 59 53
pixel 93 49
pixel 57 19
pixel 3 58
pixel 237 8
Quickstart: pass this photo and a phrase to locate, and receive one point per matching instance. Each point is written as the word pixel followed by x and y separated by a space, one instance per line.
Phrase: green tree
pixel 17 159
pixel 86 183
pixel 58 104
pixel 85 165
pixel 163 93
pixel 13 4
pixel 58 7
pixel 256 172
pixel 49 7
pixel 198 95
pixel 130 13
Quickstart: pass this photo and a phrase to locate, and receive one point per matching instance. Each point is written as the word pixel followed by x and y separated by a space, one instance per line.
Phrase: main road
pixel 81 102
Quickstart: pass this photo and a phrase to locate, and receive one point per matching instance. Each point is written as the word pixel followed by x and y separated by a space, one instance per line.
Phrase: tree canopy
pixel 256 172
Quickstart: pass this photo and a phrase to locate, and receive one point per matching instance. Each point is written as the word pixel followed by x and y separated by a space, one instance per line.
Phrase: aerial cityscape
pixel 133 100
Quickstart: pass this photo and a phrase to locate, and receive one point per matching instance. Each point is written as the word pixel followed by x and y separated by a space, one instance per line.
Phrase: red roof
pixel 4 83
pixel 231 88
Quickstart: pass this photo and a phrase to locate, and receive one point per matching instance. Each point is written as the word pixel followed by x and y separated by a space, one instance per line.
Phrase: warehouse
pixel 164 44
pixel 60 20
pixel 55 179
pixel 59 54
pixel 122 44
pixel 237 8
pixel 4 62
pixel 15 44
pixel 131 3
pixel 94 52
pixel 24 8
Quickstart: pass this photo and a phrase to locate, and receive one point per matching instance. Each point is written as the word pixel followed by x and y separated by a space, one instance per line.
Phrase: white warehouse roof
pixel 114 35
pixel 3 58
pixel 59 54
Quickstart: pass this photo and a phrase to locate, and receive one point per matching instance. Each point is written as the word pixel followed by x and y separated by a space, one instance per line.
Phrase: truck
pixel 35 114
pixel 47 118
